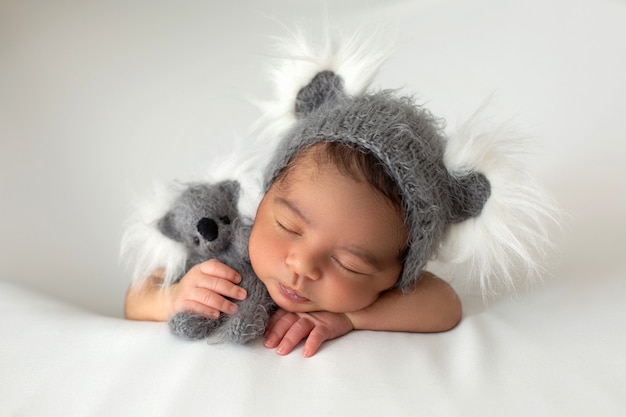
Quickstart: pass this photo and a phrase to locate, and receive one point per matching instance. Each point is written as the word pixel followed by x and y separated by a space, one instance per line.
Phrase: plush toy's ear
pixel 230 188
pixel 324 87
pixel 468 194
pixel 167 227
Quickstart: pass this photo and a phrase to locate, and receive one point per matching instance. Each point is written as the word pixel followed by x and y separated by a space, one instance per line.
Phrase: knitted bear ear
pixel 231 188
pixel 326 86
pixel 498 235
pixel 166 225
pixel 468 194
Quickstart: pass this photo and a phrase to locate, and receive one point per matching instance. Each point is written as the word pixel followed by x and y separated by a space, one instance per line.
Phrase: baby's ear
pixel 469 192
pixel 167 226
pixel 324 87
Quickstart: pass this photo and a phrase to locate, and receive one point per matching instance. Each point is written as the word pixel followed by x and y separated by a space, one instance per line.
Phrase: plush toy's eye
pixel 225 219
pixel 196 240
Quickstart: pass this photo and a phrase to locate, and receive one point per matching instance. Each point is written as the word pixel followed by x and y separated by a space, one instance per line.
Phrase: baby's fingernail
pixel 241 294
pixel 271 341
pixel 232 309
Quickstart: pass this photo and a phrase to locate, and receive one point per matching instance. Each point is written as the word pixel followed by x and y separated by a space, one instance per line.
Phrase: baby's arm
pixel 432 307
pixel 202 290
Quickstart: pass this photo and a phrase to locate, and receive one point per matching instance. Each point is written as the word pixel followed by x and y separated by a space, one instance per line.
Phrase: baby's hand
pixel 286 330
pixel 203 290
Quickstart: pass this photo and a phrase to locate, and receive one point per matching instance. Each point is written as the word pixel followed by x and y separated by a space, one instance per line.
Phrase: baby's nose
pixel 303 265
pixel 207 228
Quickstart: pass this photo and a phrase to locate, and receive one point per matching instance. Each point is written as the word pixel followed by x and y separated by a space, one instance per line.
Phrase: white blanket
pixel 99 99
pixel 556 352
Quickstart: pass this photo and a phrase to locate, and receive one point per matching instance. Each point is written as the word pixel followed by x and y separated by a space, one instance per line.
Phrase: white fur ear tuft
pixel 505 247
pixel 144 249
pixel 356 58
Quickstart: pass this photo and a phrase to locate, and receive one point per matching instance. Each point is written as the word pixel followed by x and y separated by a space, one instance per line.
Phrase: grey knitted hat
pixel 407 140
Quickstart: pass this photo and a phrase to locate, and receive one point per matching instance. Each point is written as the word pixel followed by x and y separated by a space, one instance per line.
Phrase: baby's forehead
pixel 322 188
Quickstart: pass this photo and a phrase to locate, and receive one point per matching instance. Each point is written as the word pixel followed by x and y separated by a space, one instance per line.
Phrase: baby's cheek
pixel 253 252
pixel 348 298
pixel 255 246
pixel 263 261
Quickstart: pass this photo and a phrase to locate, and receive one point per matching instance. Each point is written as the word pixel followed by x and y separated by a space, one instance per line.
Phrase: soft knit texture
pixel 204 218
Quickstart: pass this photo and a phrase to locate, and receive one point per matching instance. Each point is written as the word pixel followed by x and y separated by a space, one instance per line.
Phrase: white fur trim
pixel 505 247
pixel 143 248
pixel 356 58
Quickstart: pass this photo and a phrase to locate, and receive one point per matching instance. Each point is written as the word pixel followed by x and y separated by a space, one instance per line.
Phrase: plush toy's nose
pixel 208 229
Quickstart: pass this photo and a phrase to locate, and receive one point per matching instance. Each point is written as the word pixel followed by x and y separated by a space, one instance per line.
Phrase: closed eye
pixel 286 229
pixel 347 269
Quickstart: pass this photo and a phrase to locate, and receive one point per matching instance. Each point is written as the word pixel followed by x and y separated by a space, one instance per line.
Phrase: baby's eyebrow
pixel 294 208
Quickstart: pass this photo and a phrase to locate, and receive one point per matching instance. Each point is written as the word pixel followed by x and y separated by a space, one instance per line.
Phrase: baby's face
pixel 323 241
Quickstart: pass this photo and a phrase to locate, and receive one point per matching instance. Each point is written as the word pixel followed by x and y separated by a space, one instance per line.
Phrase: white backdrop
pixel 99 99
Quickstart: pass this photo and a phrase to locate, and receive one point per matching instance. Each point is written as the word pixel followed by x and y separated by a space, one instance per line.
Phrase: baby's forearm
pixel 433 306
pixel 146 302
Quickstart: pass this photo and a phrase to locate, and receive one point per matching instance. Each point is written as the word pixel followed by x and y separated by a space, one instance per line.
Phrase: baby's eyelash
pixel 285 228
pixel 345 268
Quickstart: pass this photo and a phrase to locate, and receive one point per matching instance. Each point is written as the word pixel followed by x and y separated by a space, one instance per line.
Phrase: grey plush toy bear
pixel 205 219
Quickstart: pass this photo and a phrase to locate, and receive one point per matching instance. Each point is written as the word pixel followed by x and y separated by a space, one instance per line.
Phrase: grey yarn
pixel 205 219
pixel 407 140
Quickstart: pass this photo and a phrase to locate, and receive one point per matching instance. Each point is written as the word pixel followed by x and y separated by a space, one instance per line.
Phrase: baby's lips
pixel 293 294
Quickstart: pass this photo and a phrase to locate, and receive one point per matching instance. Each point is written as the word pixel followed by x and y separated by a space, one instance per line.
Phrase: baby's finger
pixel 217 269
pixel 295 335
pixel 280 322
pixel 314 341
pixel 213 300
pixel 222 287
pixel 203 310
